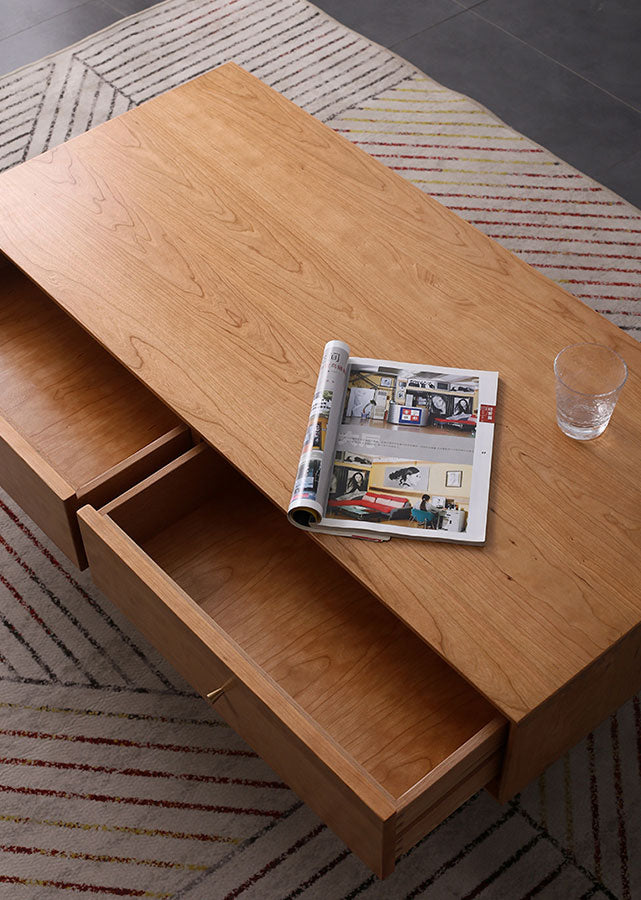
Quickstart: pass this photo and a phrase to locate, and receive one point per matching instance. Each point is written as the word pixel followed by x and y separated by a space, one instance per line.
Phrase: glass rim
pixel 603 347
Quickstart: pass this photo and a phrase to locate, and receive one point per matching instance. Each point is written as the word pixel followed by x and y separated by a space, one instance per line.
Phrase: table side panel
pixel 569 715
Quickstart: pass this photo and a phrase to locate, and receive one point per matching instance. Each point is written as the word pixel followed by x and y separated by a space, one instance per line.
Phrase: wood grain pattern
pixel 317 769
pixel 130 471
pixel 80 410
pixel 40 491
pixel 576 709
pixel 74 425
pixel 374 687
pixel 476 762
pixel 301 237
pixel 168 494
pixel 372 710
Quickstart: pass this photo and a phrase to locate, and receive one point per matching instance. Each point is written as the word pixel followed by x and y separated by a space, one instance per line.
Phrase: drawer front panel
pixel 282 735
pixel 52 503
pixel 469 769
pixel 40 491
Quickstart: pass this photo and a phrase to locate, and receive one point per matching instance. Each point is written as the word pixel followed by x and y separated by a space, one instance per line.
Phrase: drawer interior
pixel 79 408
pixel 379 692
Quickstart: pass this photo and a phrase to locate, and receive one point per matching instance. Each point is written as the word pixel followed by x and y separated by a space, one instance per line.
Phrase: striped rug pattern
pixel 116 779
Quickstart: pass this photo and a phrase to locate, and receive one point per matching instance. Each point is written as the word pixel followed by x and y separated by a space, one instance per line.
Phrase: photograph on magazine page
pixel 405 448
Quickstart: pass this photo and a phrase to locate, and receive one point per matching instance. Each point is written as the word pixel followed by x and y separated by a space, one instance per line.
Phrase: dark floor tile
pixel 625 178
pixel 129 7
pixel 55 34
pixel 532 93
pixel 16 16
pixel 385 22
pixel 598 39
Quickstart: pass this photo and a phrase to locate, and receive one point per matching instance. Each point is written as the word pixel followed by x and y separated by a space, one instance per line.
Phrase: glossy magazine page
pixel 411 453
pixel 313 477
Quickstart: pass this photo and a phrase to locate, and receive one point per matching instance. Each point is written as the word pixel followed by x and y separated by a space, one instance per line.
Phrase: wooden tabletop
pixel 216 237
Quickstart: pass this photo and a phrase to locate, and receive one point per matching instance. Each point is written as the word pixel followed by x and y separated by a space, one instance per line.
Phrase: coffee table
pixel 211 241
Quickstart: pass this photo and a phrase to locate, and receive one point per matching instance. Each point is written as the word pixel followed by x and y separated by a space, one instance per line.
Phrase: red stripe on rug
pixel 618 793
pixel 122 742
pixel 142 773
pixel 34 540
pixel 459 159
pixel 543 225
pixel 503 867
pixel 448 171
pixel 558 239
pixel 138 801
pixel 275 861
pixel 601 283
pixel 594 807
pixel 577 253
pixel 319 873
pixel 98 857
pixel 450 147
pixel 521 187
pixel 550 212
pixel 82 887
pixel 607 297
pixel 122 829
pixel 112 714
pixel 32 612
pixel 637 721
pixel 530 187
pixel 532 199
pixel 565 265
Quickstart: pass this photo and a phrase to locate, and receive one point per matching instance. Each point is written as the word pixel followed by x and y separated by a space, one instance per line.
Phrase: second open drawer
pixel 369 726
pixel 75 426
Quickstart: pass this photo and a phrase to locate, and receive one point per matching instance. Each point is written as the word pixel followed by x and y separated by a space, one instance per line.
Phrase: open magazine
pixel 396 449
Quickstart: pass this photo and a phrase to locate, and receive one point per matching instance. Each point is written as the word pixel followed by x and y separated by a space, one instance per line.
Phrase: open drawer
pixel 369 726
pixel 75 426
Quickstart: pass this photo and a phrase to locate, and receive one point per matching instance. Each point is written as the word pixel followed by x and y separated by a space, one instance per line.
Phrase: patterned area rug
pixel 116 779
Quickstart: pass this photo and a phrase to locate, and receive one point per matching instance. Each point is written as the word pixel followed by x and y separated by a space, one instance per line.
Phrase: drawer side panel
pixel 135 468
pixel 41 492
pixel 566 718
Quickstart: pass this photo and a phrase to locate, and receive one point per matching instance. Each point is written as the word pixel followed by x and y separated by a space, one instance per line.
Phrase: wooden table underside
pixel 214 238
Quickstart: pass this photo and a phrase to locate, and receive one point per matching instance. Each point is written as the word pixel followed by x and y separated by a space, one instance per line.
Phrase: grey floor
pixel 567 73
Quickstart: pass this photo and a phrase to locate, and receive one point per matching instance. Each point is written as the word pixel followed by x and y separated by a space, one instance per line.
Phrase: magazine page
pixel 314 474
pixel 413 452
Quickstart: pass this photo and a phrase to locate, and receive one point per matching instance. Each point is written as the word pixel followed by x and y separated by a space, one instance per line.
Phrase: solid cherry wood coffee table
pixel 212 241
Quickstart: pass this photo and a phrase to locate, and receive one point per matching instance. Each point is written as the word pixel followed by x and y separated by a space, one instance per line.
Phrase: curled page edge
pixel 307 506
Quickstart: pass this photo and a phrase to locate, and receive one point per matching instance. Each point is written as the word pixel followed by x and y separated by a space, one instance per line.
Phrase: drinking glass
pixel 589 378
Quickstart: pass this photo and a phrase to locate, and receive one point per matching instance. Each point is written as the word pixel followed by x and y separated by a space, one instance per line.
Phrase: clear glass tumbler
pixel 589 378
